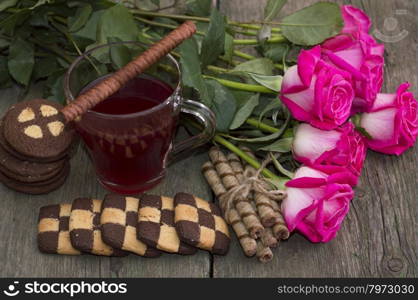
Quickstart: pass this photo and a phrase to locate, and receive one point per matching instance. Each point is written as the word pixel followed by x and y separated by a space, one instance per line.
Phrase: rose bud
pixel 355 19
pixel 391 124
pixel 342 147
pixel 356 52
pixel 317 92
pixel 316 204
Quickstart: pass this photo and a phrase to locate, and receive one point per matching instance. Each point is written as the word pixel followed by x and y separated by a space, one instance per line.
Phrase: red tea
pixel 129 135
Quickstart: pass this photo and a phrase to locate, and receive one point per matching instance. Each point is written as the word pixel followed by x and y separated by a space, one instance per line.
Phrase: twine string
pixel 250 184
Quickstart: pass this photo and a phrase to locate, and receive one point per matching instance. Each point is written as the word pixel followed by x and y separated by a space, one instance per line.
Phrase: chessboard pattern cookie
pixel 156 225
pixel 53 230
pixel 37 129
pixel 85 231
pixel 118 221
pixel 199 223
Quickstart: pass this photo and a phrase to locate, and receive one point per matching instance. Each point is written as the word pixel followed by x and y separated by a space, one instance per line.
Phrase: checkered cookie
pixel 199 223
pixel 53 235
pixel 85 231
pixel 118 225
pixel 156 225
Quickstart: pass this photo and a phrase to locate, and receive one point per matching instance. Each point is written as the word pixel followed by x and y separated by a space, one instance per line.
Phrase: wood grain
pixel 378 237
pixel 19 213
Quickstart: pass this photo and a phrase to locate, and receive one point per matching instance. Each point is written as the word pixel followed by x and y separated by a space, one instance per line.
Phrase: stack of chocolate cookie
pixel 121 225
pixel 34 147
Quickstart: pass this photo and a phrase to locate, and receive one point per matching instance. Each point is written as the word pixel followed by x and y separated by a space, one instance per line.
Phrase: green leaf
pixel 272 82
pixel 89 31
pixel 5 79
pixel 280 168
pixel 117 21
pixel 6 4
pixel 9 24
pixel 119 53
pixel 313 24
pixel 245 108
pixel 147 4
pixel 44 67
pixel 229 47
pixel 80 18
pixel 282 146
pixel 214 41
pixel 191 71
pixel 54 89
pixel 21 60
pixel 4 43
pixel 199 8
pixel 223 105
pixel 272 9
pixel 275 52
pixel 263 66
pixel 273 105
pixel 266 138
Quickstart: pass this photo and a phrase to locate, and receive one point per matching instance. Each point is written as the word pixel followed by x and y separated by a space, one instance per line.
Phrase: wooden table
pixel 377 239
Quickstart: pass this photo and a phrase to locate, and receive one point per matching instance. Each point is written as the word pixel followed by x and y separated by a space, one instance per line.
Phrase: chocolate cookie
pixel 199 223
pixel 37 129
pixel 27 171
pixel 156 225
pixel 36 188
pixel 118 225
pixel 53 235
pixel 85 231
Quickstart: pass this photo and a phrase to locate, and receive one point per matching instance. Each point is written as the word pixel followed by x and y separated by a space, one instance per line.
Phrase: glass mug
pixel 129 136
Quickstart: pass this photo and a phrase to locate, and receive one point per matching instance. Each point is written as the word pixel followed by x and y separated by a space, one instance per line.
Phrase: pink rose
pixel 317 92
pixel 355 20
pixel 343 147
pixel 360 55
pixel 392 122
pixel 316 204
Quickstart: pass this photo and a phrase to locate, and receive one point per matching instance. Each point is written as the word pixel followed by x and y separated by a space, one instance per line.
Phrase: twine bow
pixel 251 184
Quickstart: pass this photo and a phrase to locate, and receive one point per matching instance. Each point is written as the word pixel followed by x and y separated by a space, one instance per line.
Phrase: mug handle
pixel 206 117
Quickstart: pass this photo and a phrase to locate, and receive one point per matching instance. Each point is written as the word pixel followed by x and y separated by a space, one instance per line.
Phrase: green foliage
pixel 313 24
pixel 21 60
pixel 214 41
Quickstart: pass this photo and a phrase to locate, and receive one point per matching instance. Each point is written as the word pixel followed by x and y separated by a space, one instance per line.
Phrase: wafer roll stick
pixel 248 244
pixel 280 230
pixel 266 212
pixel 264 253
pixel 242 204
pixel 113 83
pixel 268 239
pixel 236 166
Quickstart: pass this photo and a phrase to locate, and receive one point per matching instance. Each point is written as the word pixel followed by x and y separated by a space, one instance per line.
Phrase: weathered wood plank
pixel 378 238
pixel 18 225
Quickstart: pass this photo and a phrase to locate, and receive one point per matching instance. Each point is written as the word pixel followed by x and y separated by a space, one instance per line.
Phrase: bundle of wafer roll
pixel 255 217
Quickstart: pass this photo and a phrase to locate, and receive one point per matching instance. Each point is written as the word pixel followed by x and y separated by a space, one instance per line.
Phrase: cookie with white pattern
pixel 37 129
pixel 156 225
pixel 199 223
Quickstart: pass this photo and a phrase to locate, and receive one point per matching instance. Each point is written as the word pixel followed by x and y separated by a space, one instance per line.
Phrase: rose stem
pixel 274 39
pixel 194 18
pixel 262 126
pixel 251 57
pixel 242 86
pixel 248 159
